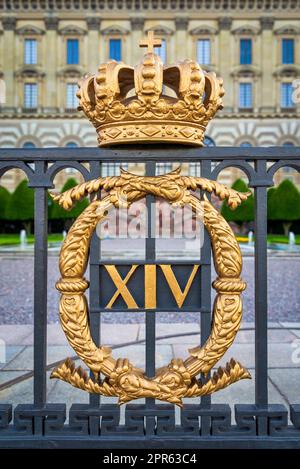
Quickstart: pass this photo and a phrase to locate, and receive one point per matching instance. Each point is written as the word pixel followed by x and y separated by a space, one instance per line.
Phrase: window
pixel 30 95
pixel 209 142
pixel 30 51
pixel 115 49
pixel 71 170
pixel 245 95
pixel 286 95
pixel 195 169
pixel 29 145
pixel 288 169
pixel 203 51
pixel 245 51
pixel 112 169
pixel 287 51
pixel 163 168
pixel 71 98
pixel 162 51
pixel 72 51
pixel 246 145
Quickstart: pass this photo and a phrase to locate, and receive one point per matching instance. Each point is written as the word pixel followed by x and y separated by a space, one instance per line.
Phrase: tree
pixel 244 212
pixel 57 212
pixel 21 205
pixel 284 204
pixel 270 193
pixel 4 200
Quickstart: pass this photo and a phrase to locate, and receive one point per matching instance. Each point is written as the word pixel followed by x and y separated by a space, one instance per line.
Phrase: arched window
pixel 246 144
pixel 209 142
pixel 71 145
pixel 287 169
pixel 194 168
pixel 29 145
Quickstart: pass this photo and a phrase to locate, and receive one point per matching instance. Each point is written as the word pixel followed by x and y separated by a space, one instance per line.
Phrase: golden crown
pixel 151 114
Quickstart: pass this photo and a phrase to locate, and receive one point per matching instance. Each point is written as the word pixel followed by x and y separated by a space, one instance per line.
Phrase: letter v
pixel 173 284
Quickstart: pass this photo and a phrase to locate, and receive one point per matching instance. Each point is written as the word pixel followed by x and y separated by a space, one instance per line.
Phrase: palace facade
pixel 47 45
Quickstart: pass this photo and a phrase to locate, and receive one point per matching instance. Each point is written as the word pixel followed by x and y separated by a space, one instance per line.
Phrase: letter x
pixel 121 286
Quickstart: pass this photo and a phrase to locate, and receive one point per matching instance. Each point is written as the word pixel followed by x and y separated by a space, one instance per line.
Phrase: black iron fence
pixel 151 424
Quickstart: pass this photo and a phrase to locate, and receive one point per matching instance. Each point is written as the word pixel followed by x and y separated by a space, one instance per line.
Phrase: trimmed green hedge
pixel 4 201
pixel 284 204
pixel 57 212
pixel 21 203
pixel 244 212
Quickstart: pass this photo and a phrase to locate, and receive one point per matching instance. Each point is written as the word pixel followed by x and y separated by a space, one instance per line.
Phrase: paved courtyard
pixel 283 374
pixel 16 335
pixel 16 293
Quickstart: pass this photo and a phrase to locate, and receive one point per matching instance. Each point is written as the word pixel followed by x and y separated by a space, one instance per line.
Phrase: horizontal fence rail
pixel 150 424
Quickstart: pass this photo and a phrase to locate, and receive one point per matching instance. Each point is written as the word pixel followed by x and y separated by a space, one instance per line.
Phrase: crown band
pixel 150 132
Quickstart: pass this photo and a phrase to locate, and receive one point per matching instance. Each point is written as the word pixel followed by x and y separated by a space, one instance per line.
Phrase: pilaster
pixel 181 24
pixel 8 65
pixel 226 57
pixel 137 27
pixel 267 64
pixel 93 53
pixel 51 64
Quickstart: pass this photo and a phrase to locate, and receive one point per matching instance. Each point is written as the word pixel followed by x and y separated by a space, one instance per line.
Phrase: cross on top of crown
pixel 150 42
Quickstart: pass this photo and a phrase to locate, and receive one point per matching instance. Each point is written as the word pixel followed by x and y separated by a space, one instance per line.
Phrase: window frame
pixel 26 41
pixel 241 84
pixel 204 39
pixel 25 87
pixel 285 106
pixel 68 41
pixel 75 99
pixel 283 41
pixel 119 39
pixel 242 54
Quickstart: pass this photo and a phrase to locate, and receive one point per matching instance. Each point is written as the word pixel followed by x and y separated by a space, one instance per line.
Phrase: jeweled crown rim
pixel 150 132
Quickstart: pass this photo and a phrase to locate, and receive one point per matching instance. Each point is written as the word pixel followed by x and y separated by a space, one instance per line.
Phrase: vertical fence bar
pixel 205 279
pixel 150 315
pixel 261 290
pixel 40 290
pixel 95 318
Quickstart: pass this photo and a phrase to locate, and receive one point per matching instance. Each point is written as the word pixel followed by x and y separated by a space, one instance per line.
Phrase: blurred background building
pixel 47 45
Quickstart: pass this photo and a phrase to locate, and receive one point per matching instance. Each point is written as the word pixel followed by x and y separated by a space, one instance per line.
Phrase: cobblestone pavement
pixel 16 293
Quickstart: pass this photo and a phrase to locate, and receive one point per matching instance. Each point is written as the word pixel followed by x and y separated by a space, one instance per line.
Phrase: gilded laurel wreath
pixel 178 379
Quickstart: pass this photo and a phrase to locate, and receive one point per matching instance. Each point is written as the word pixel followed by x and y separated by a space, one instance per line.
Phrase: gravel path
pixel 16 295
